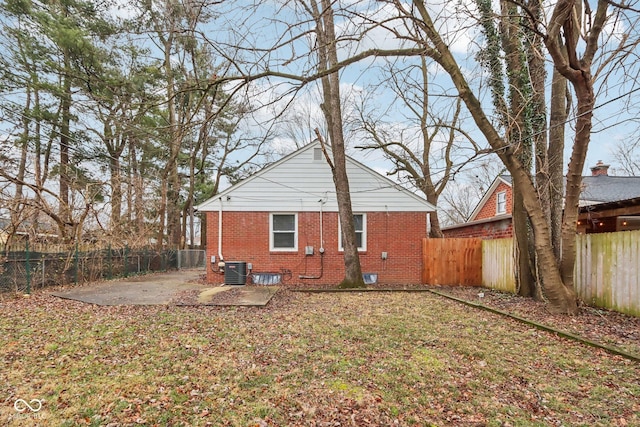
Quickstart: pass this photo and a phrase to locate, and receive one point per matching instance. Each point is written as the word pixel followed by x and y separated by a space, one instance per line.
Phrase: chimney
pixel 600 169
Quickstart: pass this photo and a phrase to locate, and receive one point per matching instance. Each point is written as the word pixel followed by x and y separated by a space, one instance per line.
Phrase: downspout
pixel 321 250
pixel 220 257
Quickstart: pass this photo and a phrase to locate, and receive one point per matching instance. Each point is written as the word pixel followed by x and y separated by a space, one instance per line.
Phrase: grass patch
pixel 368 359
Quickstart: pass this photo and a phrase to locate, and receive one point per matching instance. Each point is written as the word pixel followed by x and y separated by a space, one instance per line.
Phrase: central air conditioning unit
pixel 235 273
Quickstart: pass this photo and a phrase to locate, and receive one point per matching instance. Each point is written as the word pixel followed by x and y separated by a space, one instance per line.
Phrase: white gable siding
pixel 297 183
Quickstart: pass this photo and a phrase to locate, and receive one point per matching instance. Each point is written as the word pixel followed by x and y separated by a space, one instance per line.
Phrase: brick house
pixel 491 219
pixel 281 225
pixel 607 204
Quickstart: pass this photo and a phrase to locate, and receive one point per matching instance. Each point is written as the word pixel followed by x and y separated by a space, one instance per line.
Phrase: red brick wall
pixel 489 209
pixel 489 230
pixel 245 237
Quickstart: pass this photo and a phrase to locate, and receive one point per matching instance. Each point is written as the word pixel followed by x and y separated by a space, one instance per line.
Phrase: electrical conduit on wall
pixel 321 250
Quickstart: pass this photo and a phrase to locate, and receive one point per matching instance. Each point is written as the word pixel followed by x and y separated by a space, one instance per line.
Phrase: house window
pixel 360 225
pixel 284 232
pixel 317 154
pixel 501 203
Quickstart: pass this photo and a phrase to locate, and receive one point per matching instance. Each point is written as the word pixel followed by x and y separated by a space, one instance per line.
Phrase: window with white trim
pixel 501 202
pixel 283 232
pixel 360 225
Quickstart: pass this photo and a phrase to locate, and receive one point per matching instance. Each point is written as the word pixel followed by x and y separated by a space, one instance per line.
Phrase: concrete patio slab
pixel 150 289
pixel 162 288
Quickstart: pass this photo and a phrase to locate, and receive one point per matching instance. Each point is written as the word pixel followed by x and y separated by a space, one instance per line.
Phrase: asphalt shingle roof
pixel 606 189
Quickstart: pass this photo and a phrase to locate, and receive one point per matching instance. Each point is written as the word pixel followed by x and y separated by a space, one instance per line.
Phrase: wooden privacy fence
pixel 607 270
pixel 452 262
pixel 498 265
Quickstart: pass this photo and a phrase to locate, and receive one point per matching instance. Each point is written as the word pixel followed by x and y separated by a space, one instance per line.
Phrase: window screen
pixel 283 231
pixel 359 223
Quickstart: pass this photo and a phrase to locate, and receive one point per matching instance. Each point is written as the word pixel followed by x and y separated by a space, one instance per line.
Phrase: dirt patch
pixel 227 296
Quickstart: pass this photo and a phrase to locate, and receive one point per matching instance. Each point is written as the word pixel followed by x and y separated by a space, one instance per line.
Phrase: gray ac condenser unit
pixel 235 273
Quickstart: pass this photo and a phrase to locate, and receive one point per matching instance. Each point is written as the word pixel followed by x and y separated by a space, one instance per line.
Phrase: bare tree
pixel 557 278
pixel 508 51
pixel 431 147
pixel 627 154
pixel 462 195
pixel 331 107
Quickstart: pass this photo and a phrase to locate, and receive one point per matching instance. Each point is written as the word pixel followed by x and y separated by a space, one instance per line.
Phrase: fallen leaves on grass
pixel 303 360
pixel 602 326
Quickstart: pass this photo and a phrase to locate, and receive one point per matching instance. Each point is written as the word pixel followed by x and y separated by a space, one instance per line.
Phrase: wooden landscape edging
pixel 542 327
pixel 350 290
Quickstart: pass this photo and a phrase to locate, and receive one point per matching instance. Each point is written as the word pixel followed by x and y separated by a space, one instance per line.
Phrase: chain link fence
pixel 24 271
pixel 191 258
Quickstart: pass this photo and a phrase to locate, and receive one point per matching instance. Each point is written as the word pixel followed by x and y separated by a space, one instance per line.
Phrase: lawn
pixel 305 359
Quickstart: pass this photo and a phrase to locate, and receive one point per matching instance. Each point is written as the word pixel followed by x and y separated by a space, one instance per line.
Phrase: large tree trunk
pixel 333 112
pixel 24 150
pixel 586 102
pixel 162 215
pixel 170 173
pixel 65 129
pixel 435 232
pixel 563 25
pixel 115 147
pixel 555 156
pixel 538 74
pixel 524 259
pixel 116 193
pixel 519 134
pixel 561 298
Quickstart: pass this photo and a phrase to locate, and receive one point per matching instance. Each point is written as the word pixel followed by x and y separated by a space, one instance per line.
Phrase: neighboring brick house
pixel 607 203
pixel 281 224
pixel 491 219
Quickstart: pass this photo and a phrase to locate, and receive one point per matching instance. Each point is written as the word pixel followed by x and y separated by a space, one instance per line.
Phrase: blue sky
pixel 612 122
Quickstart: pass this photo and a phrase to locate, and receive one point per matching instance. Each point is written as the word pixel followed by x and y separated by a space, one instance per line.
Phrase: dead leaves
pixel 305 360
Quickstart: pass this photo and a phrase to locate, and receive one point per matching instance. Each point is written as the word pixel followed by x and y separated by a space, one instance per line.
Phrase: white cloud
pixel 454 21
